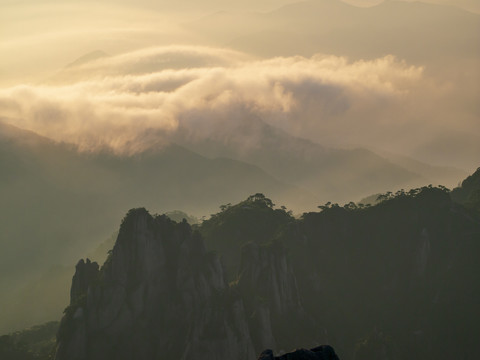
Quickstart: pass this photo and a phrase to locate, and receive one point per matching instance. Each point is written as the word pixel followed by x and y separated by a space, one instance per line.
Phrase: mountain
pixel 35 343
pixel 47 178
pixel 253 220
pixel 91 56
pixel 334 27
pixel 71 200
pixel 392 281
pixel 337 175
pixel 436 175
pixel 160 282
pixel 58 202
pixel 400 269
pixel 161 294
pixel 468 193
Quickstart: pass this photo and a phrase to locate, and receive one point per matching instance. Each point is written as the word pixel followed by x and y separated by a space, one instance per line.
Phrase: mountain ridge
pixel 297 289
pixel 95 188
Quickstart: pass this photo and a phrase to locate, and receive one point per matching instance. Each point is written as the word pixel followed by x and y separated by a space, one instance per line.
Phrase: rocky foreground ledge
pixel 323 352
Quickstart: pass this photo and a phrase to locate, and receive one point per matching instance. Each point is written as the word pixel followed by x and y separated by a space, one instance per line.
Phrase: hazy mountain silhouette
pixel 392 27
pixel 91 56
pixel 337 175
pixel 438 175
pixel 331 26
pixel 58 202
pixel 41 179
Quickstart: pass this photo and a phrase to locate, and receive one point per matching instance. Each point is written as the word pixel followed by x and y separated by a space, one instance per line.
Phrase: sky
pixel 159 68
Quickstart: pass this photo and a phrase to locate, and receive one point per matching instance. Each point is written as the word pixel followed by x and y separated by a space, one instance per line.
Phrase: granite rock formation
pixel 158 295
pixel 161 295
pixel 392 281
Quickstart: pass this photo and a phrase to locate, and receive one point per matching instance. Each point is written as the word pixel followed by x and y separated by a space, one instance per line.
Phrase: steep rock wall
pixel 159 295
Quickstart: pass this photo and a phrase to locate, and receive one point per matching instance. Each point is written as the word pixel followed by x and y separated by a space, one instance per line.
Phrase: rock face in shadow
pixel 159 295
pixel 268 286
pixel 324 352
pixel 85 274
pixel 266 272
pixel 398 280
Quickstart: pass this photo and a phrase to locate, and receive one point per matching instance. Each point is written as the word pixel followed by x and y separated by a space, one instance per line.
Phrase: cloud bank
pixel 132 101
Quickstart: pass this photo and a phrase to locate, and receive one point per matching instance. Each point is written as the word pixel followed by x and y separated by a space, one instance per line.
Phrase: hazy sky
pixel 39 37
pixel 160 73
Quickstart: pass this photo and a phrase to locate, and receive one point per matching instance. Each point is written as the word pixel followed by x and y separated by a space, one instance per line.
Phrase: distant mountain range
pixel 330 174
pixel 411 258
pixel 414 31
pixel 57 202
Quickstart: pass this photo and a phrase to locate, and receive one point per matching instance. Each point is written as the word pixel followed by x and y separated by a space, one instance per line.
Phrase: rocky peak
pixel 158 295
pixel 86 272
pixel 150 250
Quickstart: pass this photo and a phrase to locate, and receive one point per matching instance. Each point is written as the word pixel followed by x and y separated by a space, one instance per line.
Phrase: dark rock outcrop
pixel 268 286
pixel 323 352
pixel 468 193
pixel 86 272
pixel 265 271
pixel 159 295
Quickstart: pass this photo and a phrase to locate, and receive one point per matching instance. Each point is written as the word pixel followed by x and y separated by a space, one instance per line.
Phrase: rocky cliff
pixel 398 280
pixel 161 295
pixel 403 268
pixel 268 286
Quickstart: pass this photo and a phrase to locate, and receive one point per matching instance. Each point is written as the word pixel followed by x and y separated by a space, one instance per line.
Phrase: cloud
pixel 115 101
pixel 153 60
pixel 136 100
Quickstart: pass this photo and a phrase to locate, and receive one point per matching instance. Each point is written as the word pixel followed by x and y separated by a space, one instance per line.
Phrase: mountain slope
pixel 336 175
pixel 57 202
pixel 396 280
pixel 437 175
pixel 160 282
pixel 468 193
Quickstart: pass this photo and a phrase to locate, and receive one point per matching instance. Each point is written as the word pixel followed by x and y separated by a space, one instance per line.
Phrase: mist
pixel 124 98
pixel 132 101
pixel 161 73
pixel 189 105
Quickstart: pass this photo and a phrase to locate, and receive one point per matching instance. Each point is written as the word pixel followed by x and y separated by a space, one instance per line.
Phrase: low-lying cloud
pixel 140 99
pixel 131 101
